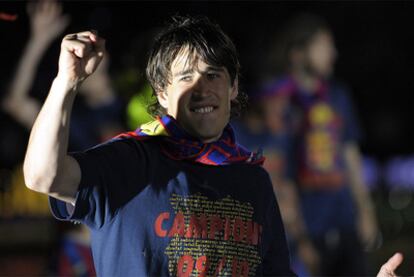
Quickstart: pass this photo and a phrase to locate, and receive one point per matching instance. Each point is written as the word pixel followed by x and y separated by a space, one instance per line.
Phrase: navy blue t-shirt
pixel 153 216
pixel 276 148
pixel 319 148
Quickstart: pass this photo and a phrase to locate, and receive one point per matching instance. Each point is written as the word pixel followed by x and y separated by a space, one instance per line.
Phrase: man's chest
pixel 194 224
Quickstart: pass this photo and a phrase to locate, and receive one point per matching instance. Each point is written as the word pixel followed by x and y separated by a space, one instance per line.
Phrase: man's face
pixel 320 55
pixel 198 96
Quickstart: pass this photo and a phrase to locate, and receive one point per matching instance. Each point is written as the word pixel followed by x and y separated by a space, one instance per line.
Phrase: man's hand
pixel 388 269
pixel 80 55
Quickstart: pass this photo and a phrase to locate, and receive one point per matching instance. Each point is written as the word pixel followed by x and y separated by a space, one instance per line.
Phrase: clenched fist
pixel 80 55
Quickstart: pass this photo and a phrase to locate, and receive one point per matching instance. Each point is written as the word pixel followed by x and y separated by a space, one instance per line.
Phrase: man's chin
pixel 206 136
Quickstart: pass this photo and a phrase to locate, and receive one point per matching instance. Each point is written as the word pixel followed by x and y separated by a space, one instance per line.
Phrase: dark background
pixel 374 42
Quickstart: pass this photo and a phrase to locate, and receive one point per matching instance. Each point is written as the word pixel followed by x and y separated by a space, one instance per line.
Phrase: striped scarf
pixel 176 144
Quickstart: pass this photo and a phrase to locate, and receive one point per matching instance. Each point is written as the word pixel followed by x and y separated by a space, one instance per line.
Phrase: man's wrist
pixel 65 86
pixel 66 83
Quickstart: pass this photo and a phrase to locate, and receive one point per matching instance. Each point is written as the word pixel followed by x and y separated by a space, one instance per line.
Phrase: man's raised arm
pixel 47 167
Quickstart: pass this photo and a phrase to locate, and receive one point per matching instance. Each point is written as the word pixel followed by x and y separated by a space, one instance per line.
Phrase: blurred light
pixel 399 173
pixel 7 16
pixel 399 198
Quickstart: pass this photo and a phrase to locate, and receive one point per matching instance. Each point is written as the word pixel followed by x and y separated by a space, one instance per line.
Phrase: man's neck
pixel 210 140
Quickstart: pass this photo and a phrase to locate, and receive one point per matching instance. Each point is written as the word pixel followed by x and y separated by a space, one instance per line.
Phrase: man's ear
pixel 163 99
pixel 235 89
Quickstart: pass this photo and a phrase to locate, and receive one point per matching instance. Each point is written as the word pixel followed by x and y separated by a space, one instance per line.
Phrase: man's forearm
pixel 354 168
pixel 47 167
pixel 366 220
pixel 49 138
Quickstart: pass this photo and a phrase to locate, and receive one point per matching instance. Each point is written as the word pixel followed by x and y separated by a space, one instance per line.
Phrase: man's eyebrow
pixel 214 68
pixel 190 71
pixel 184 72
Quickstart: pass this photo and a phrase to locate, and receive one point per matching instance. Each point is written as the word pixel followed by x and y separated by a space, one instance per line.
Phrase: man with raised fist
pixel 178 196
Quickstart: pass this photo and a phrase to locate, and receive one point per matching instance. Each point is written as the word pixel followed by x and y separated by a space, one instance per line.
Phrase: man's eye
pixel 185 78
pixel 212 76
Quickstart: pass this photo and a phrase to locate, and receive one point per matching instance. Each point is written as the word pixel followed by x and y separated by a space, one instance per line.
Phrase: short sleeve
pixel 111 175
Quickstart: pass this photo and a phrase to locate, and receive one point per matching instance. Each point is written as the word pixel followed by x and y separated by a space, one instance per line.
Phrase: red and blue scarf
pixel 176 144
pixel 287 86
pixel 320 160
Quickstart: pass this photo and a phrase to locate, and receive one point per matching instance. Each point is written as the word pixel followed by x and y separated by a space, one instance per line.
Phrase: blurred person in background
pixel 99 111
pixel 130 78
pixel 334 202
pixel 74 257
pixel 98 115
pixel 46 24
pixel 258 129
pixel 19 110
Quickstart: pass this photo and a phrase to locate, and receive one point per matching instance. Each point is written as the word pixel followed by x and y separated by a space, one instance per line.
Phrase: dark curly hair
pixel 202 38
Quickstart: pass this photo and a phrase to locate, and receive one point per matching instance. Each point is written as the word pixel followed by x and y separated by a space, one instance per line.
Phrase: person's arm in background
pixel 46 24
pixel 47 166
pixel 367 223
pixel 280 168
pixel 287 197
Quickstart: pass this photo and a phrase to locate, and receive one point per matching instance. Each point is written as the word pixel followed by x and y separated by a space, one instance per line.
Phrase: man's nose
pixel 201 85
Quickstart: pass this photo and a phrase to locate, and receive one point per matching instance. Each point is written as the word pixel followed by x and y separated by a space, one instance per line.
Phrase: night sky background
pixel 374 42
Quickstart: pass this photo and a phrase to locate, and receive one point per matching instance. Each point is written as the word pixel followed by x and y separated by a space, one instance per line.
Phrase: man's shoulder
pixel 124 146
pixel 249 171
